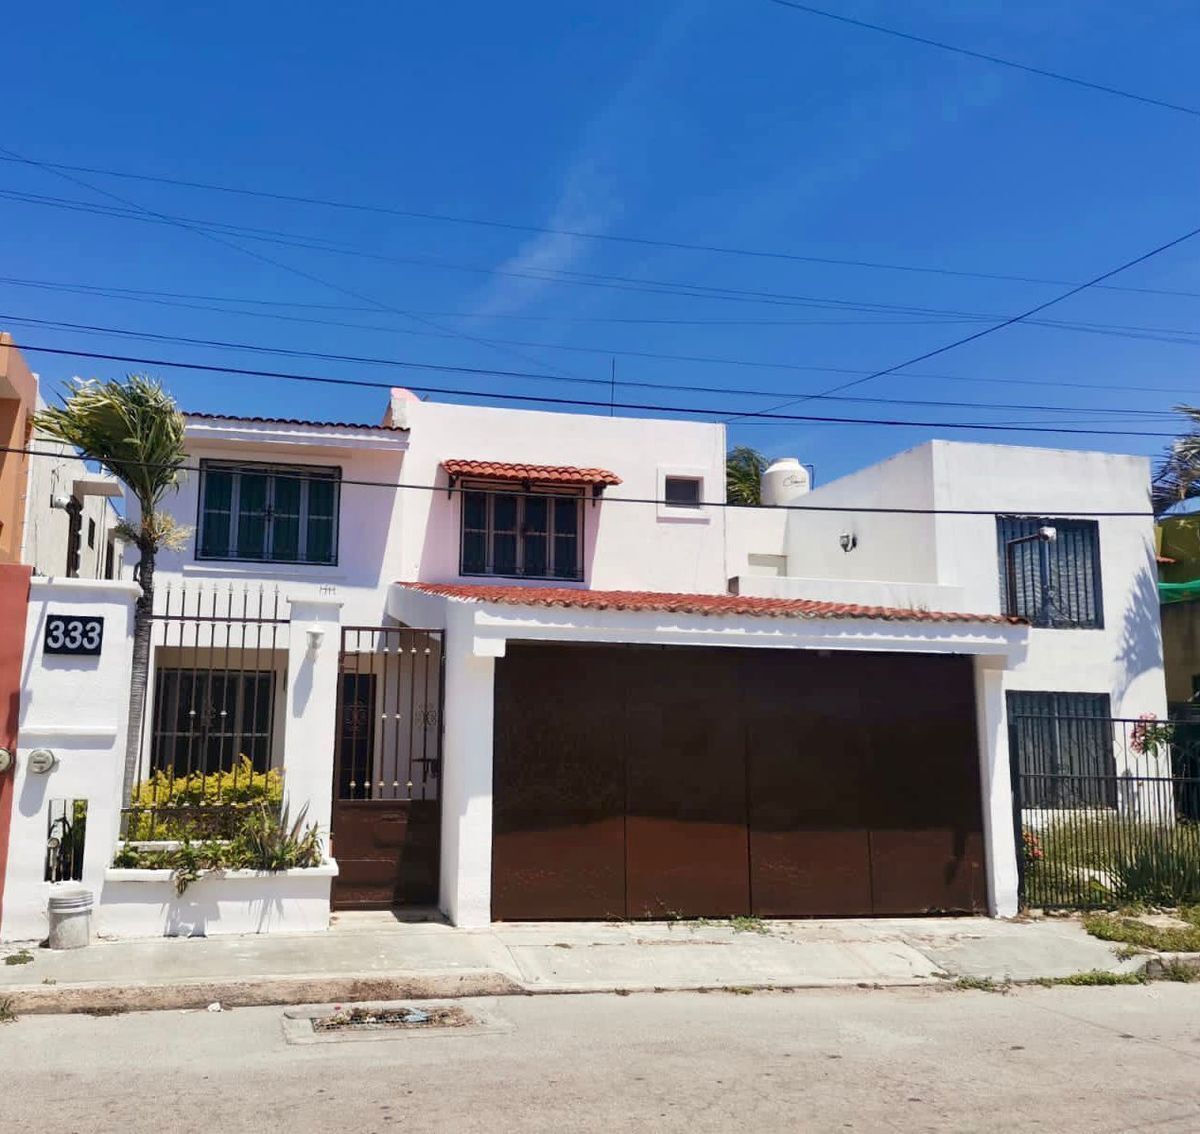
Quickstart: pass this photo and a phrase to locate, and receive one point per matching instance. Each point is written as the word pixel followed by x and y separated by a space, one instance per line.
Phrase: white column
pixel 466 866
pixel 311 715
pixel 996 786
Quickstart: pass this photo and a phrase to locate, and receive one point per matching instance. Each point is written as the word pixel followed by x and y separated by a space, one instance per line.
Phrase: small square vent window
pixel 682 491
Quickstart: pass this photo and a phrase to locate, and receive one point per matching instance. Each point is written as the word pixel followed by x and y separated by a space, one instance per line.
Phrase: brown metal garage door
pixel 663 782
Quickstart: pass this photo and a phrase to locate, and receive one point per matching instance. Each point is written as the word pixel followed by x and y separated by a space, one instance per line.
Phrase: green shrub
pixel 1160 869
pixel 263 839
pixel 207 803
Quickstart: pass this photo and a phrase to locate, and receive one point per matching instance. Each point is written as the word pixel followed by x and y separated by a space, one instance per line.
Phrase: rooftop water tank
pixel 785 481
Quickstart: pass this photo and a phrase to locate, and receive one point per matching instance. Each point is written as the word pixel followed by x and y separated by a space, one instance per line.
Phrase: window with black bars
pixel 205 721
pixel 1052 583
pixel 270 513
pixel 532 535
pixel 1062 749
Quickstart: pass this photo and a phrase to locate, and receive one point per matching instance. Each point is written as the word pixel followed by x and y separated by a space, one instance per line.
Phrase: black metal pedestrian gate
pixel 387 767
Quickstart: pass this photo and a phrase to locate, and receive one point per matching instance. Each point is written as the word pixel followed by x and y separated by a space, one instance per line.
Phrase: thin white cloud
pixel 590 198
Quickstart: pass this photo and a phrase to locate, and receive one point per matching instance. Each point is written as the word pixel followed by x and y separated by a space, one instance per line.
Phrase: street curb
pixel 1160 963
pixel 283 992
pixel 255 992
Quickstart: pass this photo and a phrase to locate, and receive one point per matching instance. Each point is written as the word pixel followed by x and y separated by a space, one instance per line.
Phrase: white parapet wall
pixel 144 903
pixel 75 707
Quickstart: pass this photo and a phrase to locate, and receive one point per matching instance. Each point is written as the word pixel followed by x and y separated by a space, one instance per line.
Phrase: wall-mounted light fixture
pixel 61 501
pixel 6 760
pixel 848 541
pixel 315 635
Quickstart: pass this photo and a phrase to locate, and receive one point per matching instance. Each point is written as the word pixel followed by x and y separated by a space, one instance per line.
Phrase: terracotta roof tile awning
pixel 735 605
pixel 545 474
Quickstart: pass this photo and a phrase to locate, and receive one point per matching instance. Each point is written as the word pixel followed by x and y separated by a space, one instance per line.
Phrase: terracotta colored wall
pixel 14 598
pixel 18 399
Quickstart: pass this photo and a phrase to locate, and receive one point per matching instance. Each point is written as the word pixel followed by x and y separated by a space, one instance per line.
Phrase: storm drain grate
pixel 360 1018
pixel 336 1023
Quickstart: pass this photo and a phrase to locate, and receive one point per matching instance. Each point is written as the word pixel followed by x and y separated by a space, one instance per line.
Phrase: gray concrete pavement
pixel 375 957
pixel 1062 1059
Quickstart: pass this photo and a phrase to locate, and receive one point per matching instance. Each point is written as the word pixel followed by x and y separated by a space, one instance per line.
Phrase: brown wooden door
pixel 386 823
pixel 558 818
pixel 809 779
pixel 924 810
pixel 645 782
pixel 685 773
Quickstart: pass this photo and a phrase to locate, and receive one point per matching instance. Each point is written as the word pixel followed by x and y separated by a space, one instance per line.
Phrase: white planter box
pixel 143 903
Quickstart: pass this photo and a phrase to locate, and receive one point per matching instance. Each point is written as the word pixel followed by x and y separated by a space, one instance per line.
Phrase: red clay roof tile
pixel 558 474
pixel 512 595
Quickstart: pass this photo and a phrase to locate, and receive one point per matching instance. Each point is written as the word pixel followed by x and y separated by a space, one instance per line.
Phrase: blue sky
pixel 719 122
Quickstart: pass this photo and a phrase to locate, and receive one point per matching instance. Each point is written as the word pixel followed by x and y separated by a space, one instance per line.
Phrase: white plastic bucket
pixel 70 918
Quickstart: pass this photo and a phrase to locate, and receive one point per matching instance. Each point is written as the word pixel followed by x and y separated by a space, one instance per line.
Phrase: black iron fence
pixel 1107 810
pixel 214 713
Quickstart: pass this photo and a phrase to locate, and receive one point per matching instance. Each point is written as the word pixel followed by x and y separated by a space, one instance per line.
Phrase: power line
pixel 324 356
pixel 638 284
pixel 145 296
pixel 299 272
pixel 676 245
pixel 972 54
pixel 1002 325
pixel 542 399
pixel 286 474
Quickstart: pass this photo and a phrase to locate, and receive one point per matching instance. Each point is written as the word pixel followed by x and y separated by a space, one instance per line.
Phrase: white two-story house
pixel 623 716
pixel 526 665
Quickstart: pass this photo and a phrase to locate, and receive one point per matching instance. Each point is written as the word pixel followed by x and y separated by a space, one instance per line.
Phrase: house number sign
pixel 73 634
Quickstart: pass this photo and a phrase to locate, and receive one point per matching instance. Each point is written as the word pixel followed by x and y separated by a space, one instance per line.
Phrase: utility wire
pixel 998 326
pixel 972 54
pixel 542 399
pixel 639 284
pixel 676 245
pixel 450 490
pixel 168 300
pixel 301 273
pixel 607 383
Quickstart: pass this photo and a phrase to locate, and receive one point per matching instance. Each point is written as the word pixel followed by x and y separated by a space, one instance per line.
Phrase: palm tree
pixel 744 468
pixel 1177 477
pixel 134 430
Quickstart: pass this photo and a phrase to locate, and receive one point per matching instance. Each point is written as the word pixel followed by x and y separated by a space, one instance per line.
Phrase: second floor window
pixel 1051 582
pixel 535 535
pixel 271 513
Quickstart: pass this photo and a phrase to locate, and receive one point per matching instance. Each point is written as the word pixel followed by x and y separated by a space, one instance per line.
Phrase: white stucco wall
pixel 77 708
pixel 956 557
pixel 414 533
pixel 627 546
pixel 368 527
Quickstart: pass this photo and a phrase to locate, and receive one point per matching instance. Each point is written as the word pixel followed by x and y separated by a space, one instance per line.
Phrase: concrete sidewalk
pixel 376 957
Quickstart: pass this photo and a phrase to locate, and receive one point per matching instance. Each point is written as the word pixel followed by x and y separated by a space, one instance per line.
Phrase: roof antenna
pixel 612 388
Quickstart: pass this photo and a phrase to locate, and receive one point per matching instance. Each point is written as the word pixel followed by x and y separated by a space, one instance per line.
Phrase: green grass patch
pixel 749 925
pixel 1095 978
pixel 7 1015
pixel 1128 931
pixel 20 957
pixel 980 984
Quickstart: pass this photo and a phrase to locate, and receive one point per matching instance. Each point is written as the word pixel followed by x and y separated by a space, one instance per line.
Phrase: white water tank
pixel 785 481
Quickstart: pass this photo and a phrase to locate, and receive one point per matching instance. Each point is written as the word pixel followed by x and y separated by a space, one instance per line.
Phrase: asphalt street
pixel 1061 1059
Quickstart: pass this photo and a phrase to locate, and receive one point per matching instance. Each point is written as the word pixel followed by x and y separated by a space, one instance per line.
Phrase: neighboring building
pixel 522 665
pixel 1179 592
pixel 56 516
